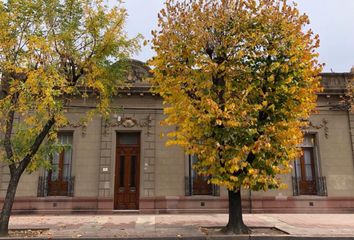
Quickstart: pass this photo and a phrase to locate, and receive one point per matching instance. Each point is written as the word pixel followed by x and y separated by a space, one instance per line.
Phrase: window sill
pixel 56 197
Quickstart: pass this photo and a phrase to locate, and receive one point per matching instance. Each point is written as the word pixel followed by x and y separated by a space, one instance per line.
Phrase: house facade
pixel 123 164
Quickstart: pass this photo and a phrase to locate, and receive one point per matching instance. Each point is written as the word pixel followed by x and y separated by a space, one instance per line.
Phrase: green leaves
pixel 237 77
pixel 52 52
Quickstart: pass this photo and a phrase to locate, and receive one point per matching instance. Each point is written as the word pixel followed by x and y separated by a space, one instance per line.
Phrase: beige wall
pixel 170 165
pixel 28 185
pixel 162 168
pixel 86 153
pixel 336 153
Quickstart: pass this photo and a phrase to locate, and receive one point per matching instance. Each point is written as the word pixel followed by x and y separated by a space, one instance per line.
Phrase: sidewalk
pixel 187 226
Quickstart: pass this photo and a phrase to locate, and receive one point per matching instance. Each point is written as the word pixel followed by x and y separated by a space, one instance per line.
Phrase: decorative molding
pixel 81 124
pixel 342 106
pixel 146 123
pixel 130 122
pixel 320 126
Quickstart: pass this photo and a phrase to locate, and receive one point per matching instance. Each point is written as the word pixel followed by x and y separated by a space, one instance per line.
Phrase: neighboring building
pixel 123 163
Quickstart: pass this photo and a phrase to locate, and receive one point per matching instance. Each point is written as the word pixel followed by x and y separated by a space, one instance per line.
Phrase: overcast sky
pixel 333 20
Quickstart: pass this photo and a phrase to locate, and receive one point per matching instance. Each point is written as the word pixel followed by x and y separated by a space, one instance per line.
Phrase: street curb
pixel 221 237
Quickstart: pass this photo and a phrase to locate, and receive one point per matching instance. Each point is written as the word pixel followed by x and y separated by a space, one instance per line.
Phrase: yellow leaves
pixel 61 120
pixel 245 149
pixel 233 178
pixel 271 78
pixel 230 107
pixel 212 106
pixel 171 142
pixel 216 181
pixel 233 124
pixel 46 67
pixel 30 120
pixel 350 93
pixel 244 164
pixel 168 110
pixel 218 122
pixel 271 107
pixel 227 110
pixel 234 168
pixel 246 182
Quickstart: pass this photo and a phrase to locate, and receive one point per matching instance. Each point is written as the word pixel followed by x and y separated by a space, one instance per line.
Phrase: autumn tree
pixel 349 98
pixel 238 79
pixel 50 53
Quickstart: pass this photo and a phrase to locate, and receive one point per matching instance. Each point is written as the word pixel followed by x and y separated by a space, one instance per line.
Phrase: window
pixel 306 180
pixel 59 179
pixel 197 184
pixel 128 138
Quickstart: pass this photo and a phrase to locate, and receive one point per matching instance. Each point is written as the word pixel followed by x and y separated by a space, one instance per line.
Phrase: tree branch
pixel 8 132
pixel 36 144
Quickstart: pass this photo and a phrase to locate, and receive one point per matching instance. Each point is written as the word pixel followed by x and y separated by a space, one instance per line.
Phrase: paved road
pixel 181 225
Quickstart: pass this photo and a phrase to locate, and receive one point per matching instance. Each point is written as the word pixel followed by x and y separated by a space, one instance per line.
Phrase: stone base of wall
pixel 303 204
pixel 182 204
pixel 176 204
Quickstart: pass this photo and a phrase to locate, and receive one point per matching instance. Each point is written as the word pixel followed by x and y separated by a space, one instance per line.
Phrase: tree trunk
pixel 8 202
pixel 235 224
pixel 16 172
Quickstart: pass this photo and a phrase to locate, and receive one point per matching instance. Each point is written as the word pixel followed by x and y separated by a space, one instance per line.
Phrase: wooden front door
pixel 126 190
pixel 307 175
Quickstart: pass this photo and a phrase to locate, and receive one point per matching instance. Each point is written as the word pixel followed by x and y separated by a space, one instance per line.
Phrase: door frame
pixel 137 167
